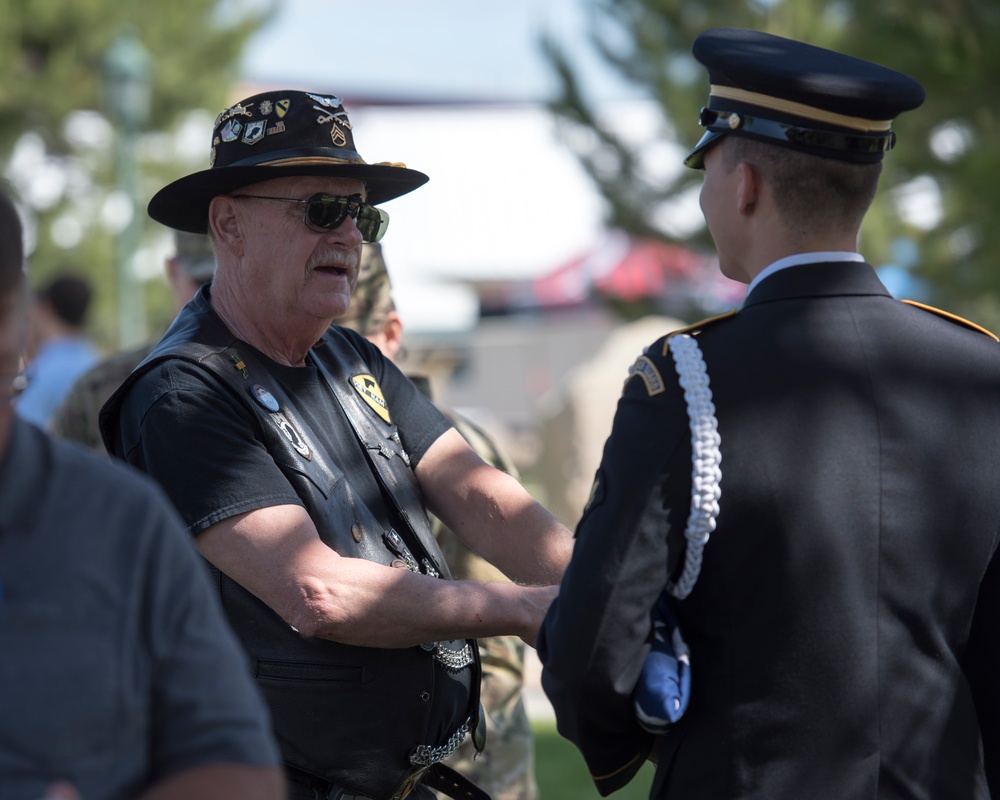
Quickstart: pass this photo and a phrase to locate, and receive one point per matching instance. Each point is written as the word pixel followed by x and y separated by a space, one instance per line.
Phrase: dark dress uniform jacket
pixel 844 629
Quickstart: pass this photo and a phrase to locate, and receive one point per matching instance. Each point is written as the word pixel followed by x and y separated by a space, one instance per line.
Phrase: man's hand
pixel 538 599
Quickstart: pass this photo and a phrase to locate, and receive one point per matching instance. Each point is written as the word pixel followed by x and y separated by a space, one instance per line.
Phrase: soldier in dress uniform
pixel 505 769
pixel 841 616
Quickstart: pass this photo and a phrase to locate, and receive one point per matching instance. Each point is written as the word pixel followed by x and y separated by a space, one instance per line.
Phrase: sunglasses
pixel 324 212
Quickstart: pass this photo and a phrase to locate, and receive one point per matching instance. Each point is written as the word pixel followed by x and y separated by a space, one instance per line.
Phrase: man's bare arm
pixel 276 554
pixel 493 513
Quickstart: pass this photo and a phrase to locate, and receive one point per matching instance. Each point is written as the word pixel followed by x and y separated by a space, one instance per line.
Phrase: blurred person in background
pixel 505 769
pixel 119 678
pixel 60 349
pixel 191 265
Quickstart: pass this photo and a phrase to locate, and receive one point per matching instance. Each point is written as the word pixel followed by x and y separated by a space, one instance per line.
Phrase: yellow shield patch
pixel 370 392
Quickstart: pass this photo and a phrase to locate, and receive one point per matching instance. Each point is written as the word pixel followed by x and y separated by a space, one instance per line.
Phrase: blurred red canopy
pixel 626 268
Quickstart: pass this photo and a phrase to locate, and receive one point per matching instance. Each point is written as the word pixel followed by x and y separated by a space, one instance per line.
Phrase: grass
pixel 562 774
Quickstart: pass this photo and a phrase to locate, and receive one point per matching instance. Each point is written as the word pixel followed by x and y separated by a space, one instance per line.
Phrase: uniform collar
pixel 825 257
pixel 819 280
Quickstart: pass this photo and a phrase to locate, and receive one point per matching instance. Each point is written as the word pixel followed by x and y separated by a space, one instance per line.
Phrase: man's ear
pixel 226 224
pixel 747 188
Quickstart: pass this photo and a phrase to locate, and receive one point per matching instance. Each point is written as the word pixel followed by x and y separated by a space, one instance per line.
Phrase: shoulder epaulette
pixel 953 318
pixel 698 326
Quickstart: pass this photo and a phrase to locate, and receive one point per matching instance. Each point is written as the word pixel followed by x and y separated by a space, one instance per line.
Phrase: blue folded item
pixel 664 686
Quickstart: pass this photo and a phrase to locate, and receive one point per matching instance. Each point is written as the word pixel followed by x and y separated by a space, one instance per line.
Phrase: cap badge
pixel 278 127
pixel 281 107
pixel 264 397
pixel 239 110
pixel 337 116
pixel 254 132
pixel 326 102
pixel 368 388
pixel 231 130
pixel 266 107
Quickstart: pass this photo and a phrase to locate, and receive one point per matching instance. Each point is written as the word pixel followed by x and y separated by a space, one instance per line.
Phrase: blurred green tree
pixel 57 141
pixel 940 196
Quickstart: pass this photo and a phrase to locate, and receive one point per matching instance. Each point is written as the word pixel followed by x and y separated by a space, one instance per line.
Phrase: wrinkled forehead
pixel 304 186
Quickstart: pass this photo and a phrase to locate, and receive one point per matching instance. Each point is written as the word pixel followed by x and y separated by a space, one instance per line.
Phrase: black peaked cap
pixel 800 96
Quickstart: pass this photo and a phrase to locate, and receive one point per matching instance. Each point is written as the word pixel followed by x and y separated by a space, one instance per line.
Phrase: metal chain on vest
pixel 705 458
pixel 425 755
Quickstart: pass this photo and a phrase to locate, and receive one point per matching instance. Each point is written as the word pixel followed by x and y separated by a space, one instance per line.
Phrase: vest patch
pixel 264 397
pixel 368 388
pixel 293 436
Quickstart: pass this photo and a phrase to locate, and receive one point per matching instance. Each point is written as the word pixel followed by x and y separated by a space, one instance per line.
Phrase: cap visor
pixel 696 158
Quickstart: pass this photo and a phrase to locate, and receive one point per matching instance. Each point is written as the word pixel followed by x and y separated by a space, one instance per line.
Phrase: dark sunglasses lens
pixel 372 222
pixel 326 212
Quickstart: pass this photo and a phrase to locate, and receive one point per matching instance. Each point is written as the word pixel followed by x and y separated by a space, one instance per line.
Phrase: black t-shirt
pixel 207 450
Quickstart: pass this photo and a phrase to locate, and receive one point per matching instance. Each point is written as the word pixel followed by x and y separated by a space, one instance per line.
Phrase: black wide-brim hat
pixel 798 96
pixel 277 134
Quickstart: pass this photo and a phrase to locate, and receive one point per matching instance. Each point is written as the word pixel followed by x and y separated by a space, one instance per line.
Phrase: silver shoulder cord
pixel 705 458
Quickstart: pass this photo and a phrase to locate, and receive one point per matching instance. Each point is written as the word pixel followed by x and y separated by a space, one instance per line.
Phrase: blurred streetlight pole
pixel 127 71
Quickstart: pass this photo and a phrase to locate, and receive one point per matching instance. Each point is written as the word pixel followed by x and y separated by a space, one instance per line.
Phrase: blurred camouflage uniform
pixel 506 769
pixel 76 417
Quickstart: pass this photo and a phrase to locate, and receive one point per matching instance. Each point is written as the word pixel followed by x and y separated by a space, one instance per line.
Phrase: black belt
pixel 444 779
pixel 452 784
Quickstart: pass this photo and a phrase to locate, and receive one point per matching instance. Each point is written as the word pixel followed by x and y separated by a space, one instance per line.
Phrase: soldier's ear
pixel 747 188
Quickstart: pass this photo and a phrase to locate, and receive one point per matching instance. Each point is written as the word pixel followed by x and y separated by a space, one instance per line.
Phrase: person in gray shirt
pixel 118 675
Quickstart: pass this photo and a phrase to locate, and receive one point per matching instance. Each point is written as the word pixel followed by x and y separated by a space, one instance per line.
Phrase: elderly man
pixel 302 460
pixel 841 618
pixel 119 678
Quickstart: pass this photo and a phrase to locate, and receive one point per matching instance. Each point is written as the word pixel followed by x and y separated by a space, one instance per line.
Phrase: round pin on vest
pixel 264 397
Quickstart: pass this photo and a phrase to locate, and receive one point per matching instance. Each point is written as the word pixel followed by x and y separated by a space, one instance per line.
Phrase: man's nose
pixel 347 233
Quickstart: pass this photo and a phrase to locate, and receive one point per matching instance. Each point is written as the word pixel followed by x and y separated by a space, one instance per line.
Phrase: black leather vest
pixel 349 715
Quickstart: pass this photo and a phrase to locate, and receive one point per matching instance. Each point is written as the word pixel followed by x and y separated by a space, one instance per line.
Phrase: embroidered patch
pixel 366 386
pixel 650 375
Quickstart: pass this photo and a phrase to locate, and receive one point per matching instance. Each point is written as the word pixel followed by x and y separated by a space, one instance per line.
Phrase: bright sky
pixel 505 197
